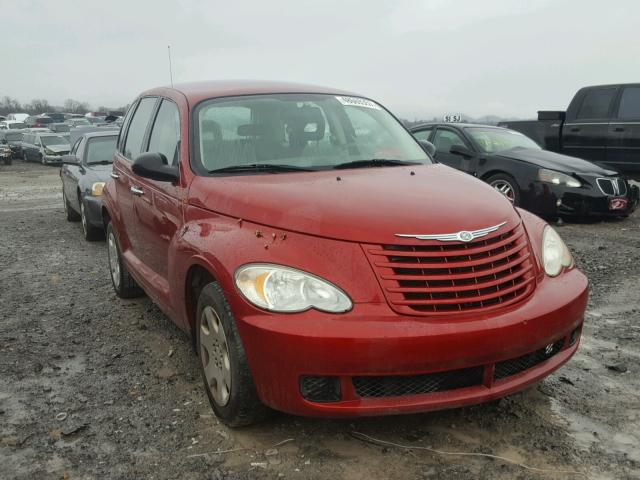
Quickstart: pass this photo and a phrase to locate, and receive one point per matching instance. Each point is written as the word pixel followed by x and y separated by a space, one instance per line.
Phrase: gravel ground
pixel 92 386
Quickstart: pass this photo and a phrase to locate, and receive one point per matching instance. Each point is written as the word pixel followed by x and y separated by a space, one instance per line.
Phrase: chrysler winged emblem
pixel 462 236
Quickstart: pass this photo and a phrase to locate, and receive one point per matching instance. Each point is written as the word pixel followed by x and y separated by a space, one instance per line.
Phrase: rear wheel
pixel 506 185
pixel 223 362
pixel 90 232
pixel 123 283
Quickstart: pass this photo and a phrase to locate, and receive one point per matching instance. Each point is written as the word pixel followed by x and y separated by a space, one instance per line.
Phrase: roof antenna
pixel 170 69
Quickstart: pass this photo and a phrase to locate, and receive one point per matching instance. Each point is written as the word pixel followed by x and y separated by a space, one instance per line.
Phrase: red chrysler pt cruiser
pixel 323 263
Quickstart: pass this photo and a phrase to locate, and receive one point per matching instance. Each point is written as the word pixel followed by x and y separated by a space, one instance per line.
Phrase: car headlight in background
pixel 284 289
pixel 555 254
pixel 96 189
pixel 557 178
pixel 49 152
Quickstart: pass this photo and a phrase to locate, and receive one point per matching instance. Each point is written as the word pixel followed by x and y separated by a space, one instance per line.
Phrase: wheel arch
pixel 197 277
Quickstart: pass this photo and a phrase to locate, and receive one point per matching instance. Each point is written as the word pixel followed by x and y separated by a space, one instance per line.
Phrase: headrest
pixel 306 121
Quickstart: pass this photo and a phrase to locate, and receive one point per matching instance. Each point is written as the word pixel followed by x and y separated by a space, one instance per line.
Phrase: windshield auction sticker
pixel 358 102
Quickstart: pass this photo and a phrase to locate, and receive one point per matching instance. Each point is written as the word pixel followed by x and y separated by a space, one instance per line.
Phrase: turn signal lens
pixel 284 289
pixel 96 189
pixel 555 254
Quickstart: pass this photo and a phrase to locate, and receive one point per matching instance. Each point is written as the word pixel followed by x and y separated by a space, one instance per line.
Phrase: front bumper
pixel 553 200
pixel 52 159
pixel 93 211
pixel 372 341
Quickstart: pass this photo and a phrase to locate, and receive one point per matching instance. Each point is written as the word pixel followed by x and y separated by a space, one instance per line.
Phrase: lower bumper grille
pixel 417 384
pixel 320 389
pixel 525 362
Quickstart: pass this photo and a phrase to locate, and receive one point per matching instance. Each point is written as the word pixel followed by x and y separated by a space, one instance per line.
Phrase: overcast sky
pixel 418 57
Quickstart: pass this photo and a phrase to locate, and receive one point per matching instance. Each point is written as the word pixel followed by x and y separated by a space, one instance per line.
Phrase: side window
pixel 125 125
pixel 445 139
pixel 138 127
pixel 596 103
pixel 165 135
pixel 630 104
pixel 423 134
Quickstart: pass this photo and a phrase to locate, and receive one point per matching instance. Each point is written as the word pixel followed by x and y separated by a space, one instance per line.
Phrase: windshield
pixel 13 137
pixel 492 140
pixel 51 140
pixel 308 131
pixel 16 126
pixel 101 149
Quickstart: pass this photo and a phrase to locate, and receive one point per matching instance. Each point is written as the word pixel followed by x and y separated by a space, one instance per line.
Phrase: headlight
pixel 555 254
pixel 96 189
pixel 557 178
pixel 49 152
pixel 283 289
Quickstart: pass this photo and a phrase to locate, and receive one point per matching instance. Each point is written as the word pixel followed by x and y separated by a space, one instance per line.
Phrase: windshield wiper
pixel 374 162
pixel 260 167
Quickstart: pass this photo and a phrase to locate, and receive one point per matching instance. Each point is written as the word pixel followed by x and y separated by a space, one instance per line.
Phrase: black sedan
pixel 84 172
pixel 543 182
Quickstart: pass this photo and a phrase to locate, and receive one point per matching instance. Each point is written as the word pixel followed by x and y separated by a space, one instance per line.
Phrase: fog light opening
pixel 320 389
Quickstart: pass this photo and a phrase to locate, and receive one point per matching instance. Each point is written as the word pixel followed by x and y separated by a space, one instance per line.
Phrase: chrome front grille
pixel 612 186
pixel 436 278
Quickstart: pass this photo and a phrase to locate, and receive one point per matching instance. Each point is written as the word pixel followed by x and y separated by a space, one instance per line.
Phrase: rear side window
pixel 630 104
pixel 596 103
pixel 138 127
pixel 166 132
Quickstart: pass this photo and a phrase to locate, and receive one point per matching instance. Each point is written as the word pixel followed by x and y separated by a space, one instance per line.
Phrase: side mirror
pixel 70 160
pixel 428 147
pixel 155 167
pixel 461 150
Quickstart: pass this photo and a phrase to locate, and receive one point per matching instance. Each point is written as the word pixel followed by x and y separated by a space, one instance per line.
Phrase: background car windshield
pixel 17 126
pixel 492 140
pixel 303 130
pixel 53 140
pixel 13 137
pixel 101 149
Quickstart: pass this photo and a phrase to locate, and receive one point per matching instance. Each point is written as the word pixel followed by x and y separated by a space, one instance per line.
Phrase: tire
pixel 7 161
pixel 70 213
pixel 90 233
pixel 123 283
pixel 233 398
pixel 24 156
pixel 42 159
pixel 507 185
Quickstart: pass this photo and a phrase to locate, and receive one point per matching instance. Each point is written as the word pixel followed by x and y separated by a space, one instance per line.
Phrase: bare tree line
pixel 42 105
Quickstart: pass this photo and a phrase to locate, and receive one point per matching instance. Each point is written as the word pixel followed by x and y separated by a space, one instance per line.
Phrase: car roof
pixel 198 91
pixel 458 125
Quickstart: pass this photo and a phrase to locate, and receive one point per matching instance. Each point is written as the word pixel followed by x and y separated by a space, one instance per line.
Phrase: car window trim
pixel 612 104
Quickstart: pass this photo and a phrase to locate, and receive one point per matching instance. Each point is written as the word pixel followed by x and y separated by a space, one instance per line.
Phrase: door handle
pixel 115 175
pixel 136 191
pixel 575 129
pixel 618 129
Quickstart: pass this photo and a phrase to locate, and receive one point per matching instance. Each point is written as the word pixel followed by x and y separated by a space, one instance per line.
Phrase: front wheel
pixel 89 232
pixel 70 213
pixel 123 283
pixel 506 185
pixel 225 371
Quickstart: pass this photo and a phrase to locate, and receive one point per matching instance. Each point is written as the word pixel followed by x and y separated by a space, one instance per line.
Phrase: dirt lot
pixel 96 387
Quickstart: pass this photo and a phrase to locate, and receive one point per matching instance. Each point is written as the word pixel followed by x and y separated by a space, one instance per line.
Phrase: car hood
pixel 364 205
pixel 555 161
pixel 58 148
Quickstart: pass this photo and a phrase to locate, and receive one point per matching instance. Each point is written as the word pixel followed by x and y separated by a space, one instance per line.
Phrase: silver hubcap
pixel 114 264
pixel 504 188
pixel 214 355
pixel 84 218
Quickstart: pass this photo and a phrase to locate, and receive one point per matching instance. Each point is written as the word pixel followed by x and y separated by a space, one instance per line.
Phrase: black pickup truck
pixel 602 124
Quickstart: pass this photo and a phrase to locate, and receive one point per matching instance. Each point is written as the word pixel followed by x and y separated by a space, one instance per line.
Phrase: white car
pixel 18 117
pixel 11 125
